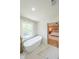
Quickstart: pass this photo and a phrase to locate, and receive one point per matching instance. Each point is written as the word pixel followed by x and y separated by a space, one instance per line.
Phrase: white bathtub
pixel 32 44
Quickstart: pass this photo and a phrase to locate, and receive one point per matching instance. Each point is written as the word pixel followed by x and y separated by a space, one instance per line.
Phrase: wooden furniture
pixel 53 34
pixel 54 42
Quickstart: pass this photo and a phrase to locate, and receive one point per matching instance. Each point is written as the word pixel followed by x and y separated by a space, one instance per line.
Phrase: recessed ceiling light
pixel 33 9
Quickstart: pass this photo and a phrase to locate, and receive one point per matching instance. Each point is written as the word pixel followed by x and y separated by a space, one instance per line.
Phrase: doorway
pixel 53 34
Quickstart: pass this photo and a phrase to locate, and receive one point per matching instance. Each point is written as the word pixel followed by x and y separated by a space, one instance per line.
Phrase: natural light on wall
pixel 29 29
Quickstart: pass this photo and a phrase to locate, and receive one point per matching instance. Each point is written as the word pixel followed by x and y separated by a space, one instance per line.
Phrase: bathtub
pixel 32 44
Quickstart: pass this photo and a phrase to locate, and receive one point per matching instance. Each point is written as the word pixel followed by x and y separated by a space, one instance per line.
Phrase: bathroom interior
pixel 39 29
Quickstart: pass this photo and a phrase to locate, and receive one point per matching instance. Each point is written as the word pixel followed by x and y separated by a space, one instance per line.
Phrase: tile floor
pixel 43 52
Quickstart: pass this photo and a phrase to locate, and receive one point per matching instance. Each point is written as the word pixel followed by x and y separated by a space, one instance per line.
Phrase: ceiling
pixel 42 9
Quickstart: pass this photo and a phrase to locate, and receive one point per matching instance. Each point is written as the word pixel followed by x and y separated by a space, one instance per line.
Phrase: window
pixel 29 29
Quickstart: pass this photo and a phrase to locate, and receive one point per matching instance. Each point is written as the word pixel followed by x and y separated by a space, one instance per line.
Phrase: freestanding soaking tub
pixel 33 43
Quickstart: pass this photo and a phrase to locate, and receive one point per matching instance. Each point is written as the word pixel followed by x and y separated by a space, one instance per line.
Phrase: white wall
pixel 43 30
